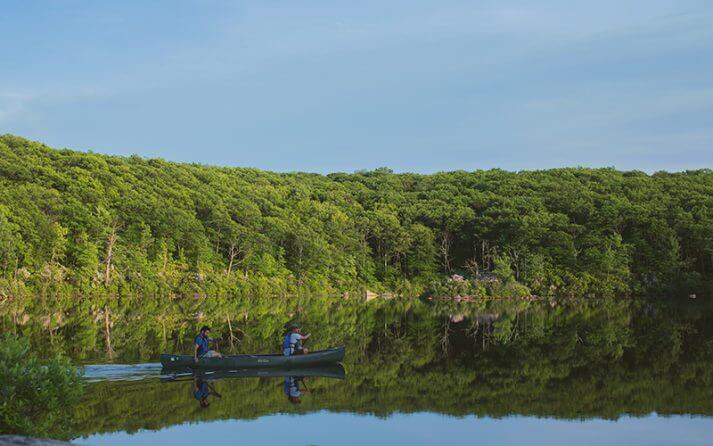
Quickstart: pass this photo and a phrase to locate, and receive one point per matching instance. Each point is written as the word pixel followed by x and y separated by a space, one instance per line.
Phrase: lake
pixel 635 371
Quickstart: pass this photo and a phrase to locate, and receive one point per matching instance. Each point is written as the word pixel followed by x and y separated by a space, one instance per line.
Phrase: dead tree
pixel 110 242
pixel 445 248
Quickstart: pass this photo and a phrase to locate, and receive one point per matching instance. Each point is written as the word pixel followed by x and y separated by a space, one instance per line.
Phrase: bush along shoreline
pixel 36 393
pixel 75 223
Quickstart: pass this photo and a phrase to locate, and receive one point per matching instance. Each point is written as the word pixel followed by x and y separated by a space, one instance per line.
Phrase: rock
pixel 18 440
pixel 456 278
pixel 691 296
pixel 455 318
pixel 487 277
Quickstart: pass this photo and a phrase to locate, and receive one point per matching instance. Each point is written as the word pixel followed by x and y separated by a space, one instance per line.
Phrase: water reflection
pixel 335 371
pixel 202 390
pixel 204 382
pixel 292 389
pixel 120 372
pixel 572 360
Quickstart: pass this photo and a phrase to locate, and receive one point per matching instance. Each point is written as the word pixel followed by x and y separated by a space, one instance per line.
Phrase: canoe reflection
pixel 294 386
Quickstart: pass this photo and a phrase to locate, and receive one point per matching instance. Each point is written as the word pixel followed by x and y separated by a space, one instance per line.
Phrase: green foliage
pixel 503 270
pixel 81 222
pixel 35 394
pixel 509 290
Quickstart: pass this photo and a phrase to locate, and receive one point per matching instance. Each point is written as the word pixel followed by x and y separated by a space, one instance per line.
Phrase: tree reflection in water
pixel 573 359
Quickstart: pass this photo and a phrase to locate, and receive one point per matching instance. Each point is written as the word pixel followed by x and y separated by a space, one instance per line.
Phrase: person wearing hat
pixel 292 344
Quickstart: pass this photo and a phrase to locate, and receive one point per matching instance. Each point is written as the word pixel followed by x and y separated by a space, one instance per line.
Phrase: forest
pixel 76 223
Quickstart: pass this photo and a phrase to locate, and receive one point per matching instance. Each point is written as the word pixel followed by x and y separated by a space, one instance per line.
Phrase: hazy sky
pixel 344 85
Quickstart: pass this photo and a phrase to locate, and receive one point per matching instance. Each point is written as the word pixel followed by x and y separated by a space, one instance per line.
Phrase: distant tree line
pixel 74 222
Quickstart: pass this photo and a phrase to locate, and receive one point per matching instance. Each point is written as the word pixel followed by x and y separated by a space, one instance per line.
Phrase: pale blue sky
pixel 342 85
pixel 345 429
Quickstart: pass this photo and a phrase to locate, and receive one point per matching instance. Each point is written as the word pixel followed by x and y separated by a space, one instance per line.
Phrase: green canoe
pixel 233 362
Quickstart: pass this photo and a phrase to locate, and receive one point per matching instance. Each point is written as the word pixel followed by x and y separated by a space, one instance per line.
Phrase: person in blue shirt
pixel 292 343
pixel 201 348
pixel 202 390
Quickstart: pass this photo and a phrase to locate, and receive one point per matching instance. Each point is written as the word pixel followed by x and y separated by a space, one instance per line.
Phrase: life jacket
pixel 287 344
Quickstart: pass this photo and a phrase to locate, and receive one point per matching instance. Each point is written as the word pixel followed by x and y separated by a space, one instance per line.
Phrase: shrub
pixel 35 394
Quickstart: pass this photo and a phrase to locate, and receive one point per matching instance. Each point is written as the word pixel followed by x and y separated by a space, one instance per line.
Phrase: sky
pixel 325 86
pixel 320 428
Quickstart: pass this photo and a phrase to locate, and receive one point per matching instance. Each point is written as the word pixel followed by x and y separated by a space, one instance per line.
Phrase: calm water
pixel 324 427
pixel 416 372
pixel 323 423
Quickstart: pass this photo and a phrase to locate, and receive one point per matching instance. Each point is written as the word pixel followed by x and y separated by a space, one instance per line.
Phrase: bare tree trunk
pixel 107 333
pixel 165 260
pixel 445 338
pixel 230 330
pixel 446 241
pixel 472 266
pixel 49 328
pixel 230 266
pixel 217 243
pixel 109 252
pixel 233 253
pixel 516 262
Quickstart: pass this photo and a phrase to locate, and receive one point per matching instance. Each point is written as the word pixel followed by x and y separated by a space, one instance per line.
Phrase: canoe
pixel 233 362
pixel 335 371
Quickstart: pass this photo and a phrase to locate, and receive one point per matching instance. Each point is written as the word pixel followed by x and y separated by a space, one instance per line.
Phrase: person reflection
pixel 202 390
pixel 292 389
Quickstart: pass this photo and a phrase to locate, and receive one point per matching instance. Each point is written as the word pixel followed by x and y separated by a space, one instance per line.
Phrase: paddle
pixel 216 343
pixel 212 389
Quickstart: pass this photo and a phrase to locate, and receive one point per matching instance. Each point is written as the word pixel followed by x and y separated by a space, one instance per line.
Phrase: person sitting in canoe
pixel 292 344
pixel 201 349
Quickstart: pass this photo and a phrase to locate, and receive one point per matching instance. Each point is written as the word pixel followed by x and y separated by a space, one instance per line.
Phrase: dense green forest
pixel 74 222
